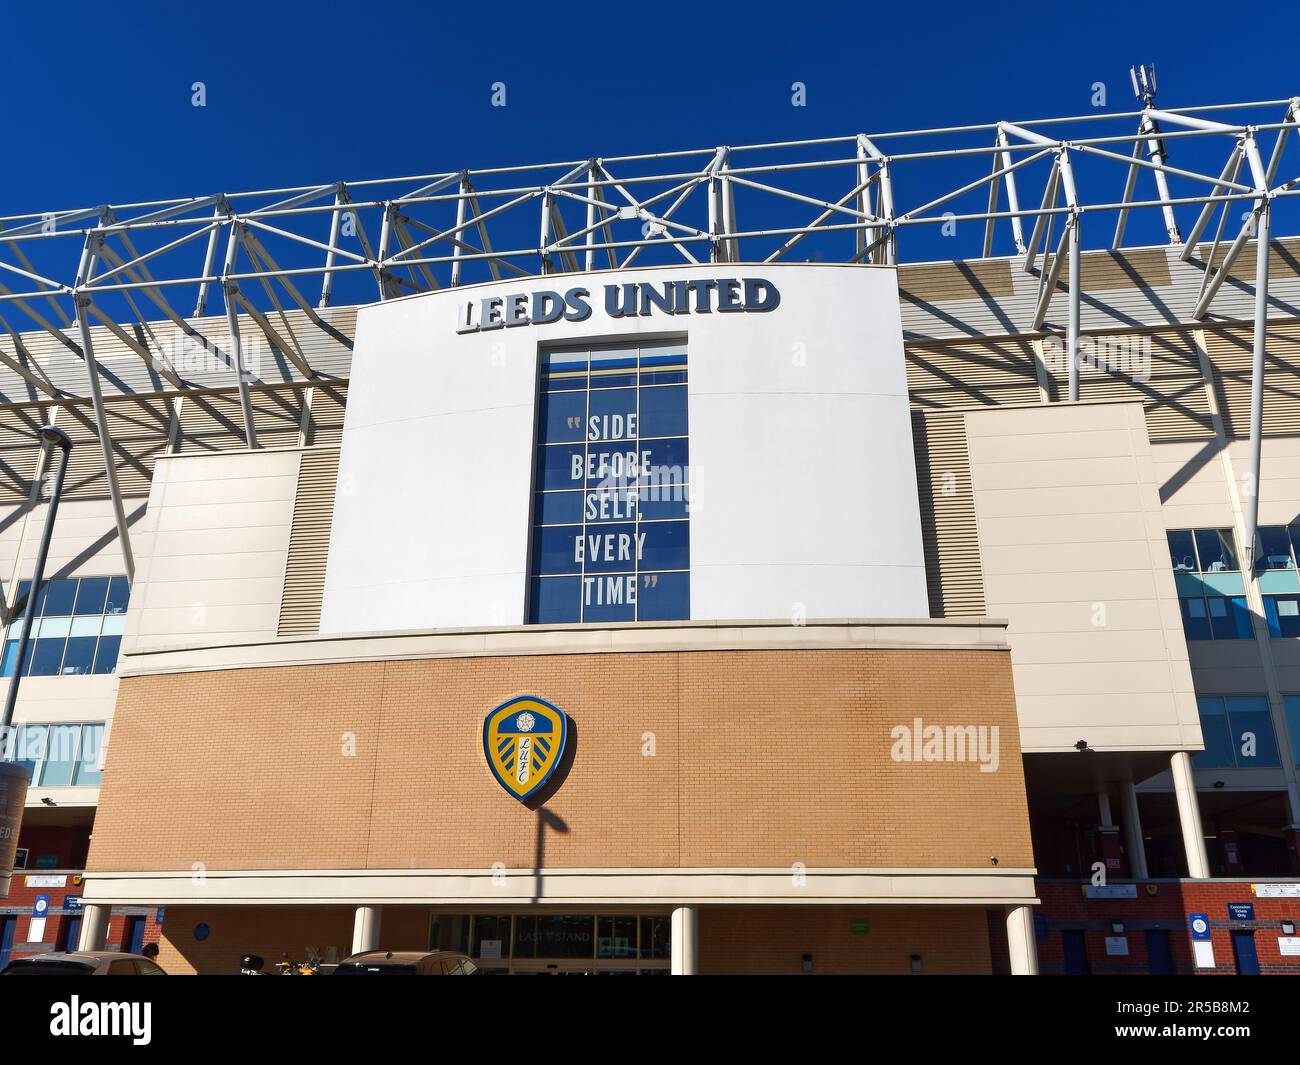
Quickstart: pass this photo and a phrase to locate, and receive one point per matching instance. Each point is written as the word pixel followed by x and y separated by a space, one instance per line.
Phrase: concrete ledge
pixel 982 634
pixel 578 887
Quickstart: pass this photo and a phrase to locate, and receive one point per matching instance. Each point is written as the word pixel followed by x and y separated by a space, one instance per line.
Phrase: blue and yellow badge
pixel 524 741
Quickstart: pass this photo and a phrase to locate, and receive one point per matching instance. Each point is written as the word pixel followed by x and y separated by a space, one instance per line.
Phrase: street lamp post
pixel 13 777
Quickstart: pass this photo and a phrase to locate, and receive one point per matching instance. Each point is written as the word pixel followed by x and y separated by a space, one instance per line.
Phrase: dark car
pixel 407 963
pixel 83 963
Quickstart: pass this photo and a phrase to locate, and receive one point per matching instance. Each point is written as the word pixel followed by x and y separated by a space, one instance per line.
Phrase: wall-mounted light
pixel 1288 928
pixel 916 963
pixel 1117 927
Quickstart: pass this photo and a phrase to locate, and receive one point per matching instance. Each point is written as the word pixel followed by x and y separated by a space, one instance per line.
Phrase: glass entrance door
pixel 558 944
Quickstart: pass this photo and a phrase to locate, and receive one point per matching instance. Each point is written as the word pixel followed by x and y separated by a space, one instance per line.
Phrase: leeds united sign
pixel 630 300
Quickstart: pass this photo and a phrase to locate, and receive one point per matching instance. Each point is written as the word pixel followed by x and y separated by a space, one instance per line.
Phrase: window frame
pixel 39 765
pixel 542 586
pixel 1234 622
pixel 1225 713
pixel 109 628
pixel 1291 550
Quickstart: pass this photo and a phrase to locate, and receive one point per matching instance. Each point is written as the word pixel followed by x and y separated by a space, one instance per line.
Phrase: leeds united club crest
pixel 524 741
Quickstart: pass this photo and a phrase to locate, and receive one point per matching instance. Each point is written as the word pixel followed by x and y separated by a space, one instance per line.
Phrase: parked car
pixel 83 963
pixel 407 963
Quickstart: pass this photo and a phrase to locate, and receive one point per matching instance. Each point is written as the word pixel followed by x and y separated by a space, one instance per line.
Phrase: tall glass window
pixel 1211 589
pixel 1279 581
pixel 1202 551
pixel 1293 724
pixel 1276 550
pixel 611 532
pixel 77 627
pixel 59 755
pixel 1283 615
pixel 1238 733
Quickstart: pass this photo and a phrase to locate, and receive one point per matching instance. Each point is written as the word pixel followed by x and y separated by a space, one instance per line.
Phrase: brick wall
pixel 18 904
pixel 270 932
pixel 732 940
pixel 771 940
pixel 1064 907
pixel 761 759
pixel 65 844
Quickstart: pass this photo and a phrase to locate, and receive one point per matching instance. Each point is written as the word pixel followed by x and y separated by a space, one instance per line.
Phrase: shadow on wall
pixel 545 818
pixel 210 940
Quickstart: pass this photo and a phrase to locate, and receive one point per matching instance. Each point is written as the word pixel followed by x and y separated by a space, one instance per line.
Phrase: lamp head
pixel 50 435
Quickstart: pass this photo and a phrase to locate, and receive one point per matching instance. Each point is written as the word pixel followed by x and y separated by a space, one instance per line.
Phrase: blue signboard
pixel 1200 923
pixel 1241 911
pixel 41 906
pixel 72 902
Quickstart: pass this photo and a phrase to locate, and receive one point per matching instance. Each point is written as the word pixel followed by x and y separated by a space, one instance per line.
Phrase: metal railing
pixel 1033 190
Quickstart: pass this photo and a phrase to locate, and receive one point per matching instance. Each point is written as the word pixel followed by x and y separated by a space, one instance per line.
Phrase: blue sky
pixel 311 93
pixel 301 93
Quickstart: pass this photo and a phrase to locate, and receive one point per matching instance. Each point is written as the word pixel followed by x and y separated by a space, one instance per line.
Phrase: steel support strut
pixel 231 290
pixel 1072 326
pixel 1258 355
pixel 89 254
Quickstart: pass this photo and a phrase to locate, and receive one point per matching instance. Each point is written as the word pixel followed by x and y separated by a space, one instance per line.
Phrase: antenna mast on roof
pixel 1144 88
pixel 1144 83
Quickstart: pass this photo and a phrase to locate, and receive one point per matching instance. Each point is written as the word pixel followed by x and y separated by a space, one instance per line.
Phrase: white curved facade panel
pixel 803 499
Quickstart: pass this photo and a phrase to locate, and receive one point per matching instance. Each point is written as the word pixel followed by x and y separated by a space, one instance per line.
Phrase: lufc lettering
pixel 638 299
pixel 525 762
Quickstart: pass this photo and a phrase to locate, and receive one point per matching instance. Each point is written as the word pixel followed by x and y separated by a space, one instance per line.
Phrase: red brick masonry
pixel 1163 904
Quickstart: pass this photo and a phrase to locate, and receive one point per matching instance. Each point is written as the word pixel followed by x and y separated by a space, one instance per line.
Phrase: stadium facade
pixel 665 595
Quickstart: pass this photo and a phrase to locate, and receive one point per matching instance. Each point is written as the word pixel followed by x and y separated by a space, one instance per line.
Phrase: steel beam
pixel 1047 285
pixel 327 279
pixel 231 290
pixel 1155 150
pixel 89 254
pixel 1072 326
pixel 1229 174
pixel 1257 362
